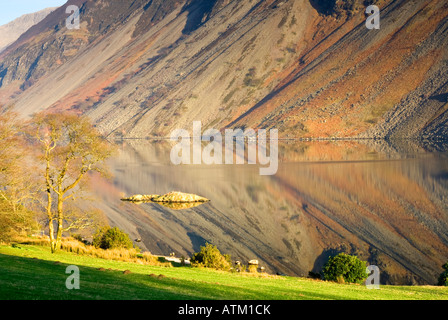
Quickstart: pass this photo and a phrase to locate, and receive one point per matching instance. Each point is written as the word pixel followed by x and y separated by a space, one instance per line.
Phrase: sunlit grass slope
pixel 32 272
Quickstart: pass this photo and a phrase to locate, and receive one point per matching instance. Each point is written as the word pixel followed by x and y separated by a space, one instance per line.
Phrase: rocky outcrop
pixel 172 197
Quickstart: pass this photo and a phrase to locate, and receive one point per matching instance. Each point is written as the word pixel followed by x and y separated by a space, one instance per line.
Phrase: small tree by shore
pixel 111 238
pixel 68 149
pixel 345 268
pixel 211 257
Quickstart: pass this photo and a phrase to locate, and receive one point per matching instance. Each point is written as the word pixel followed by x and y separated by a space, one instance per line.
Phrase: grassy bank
pixel 32 272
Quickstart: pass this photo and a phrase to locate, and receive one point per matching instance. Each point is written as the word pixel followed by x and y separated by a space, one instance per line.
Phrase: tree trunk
pixel 51 234
pixel 60 222
pixel 50 222
pixel 58 237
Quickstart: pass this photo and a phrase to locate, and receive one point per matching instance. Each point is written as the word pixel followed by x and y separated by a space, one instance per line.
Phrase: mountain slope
pixel 308 68
pixel 11 31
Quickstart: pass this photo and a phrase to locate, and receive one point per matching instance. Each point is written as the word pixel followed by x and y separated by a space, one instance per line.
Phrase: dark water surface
pixel 386 203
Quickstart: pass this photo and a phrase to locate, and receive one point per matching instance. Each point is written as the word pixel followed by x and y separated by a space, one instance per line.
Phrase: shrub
pixel 80 238
pixel 443 278
pixel 211 257
pixel 111 238
pixel 249 79
pixel 15 223
pixel 252 268
pixel 345 268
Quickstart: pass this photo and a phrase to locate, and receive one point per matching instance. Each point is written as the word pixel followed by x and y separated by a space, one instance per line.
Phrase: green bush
pixel 15 223
pixel 443 278
pixel 111 238
pixel 345 268
pixel 211 257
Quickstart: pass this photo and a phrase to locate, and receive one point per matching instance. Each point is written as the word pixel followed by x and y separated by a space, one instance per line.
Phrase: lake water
pixel 386 203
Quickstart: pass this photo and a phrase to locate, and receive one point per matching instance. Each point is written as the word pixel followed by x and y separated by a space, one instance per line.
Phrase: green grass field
pixel 32 273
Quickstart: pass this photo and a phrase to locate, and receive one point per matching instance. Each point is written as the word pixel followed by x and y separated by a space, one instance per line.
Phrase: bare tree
pixel 70 148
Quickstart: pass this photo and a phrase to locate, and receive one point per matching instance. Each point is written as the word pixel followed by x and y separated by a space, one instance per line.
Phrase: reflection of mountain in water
pixel 388 207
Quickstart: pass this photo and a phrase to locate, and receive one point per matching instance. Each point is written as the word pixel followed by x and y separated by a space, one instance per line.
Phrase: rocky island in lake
pixel 174 200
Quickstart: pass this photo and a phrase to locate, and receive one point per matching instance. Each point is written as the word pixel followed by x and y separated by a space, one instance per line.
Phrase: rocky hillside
pixel 11 31
pixel 309 68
